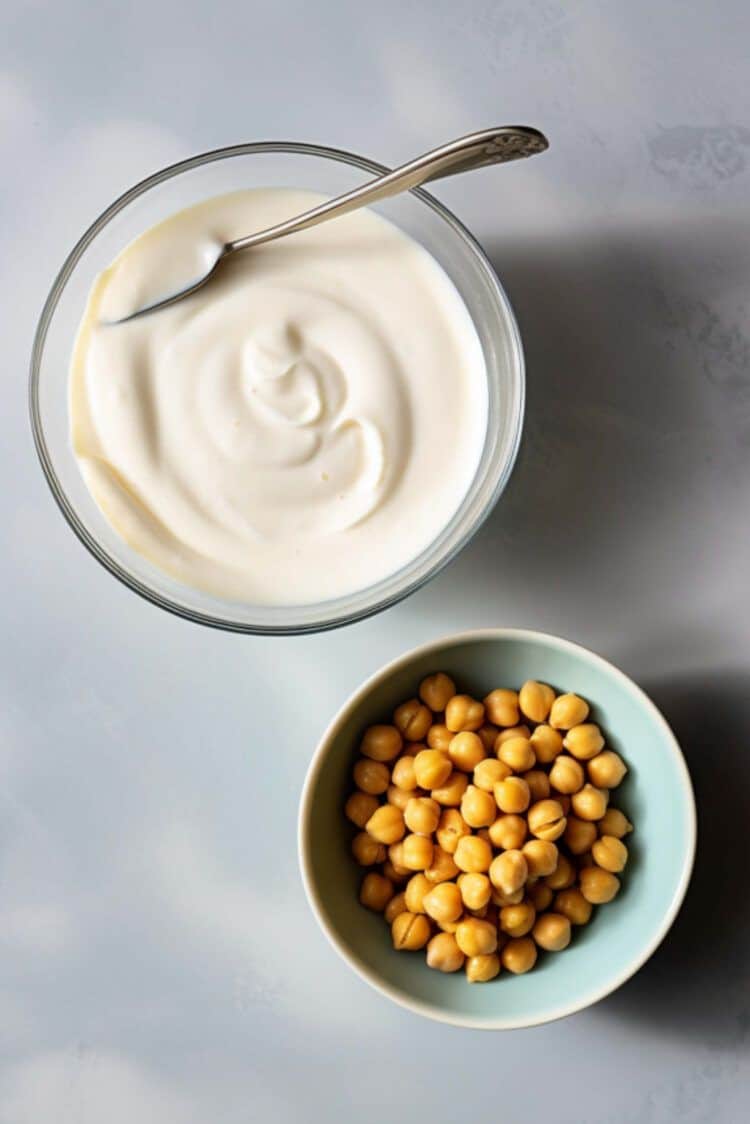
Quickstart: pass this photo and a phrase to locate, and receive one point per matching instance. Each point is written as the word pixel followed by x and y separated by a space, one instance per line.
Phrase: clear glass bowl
pixel 215 173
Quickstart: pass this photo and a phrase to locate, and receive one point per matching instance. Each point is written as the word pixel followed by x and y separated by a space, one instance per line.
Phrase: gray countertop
pixel 159 963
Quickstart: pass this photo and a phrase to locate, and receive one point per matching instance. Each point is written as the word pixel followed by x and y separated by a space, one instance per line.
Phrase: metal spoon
pixel 476 150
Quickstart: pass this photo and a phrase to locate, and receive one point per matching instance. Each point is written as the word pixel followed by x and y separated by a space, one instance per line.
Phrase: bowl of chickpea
pixel 499 808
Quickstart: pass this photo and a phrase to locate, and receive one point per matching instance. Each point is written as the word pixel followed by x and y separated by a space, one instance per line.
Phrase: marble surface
pixel 158 961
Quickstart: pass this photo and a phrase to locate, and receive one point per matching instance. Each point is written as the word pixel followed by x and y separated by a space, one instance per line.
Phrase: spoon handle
pixel 476 150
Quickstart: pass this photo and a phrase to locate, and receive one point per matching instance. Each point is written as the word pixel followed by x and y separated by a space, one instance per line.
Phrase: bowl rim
pixel 427 1009
pixel 340 614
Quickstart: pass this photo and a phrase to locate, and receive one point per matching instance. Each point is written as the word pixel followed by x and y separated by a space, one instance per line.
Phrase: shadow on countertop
pixel 637 416
pixel 698 982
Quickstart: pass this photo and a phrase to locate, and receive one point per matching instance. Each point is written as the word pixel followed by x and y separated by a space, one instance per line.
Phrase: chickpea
pixel 541 857
pixel 508 832
pixel 500 899
pixel 519 955
pixel 512 795
pixel 518 754
pixel 432 768
pixel 579 835
pixel 610 854
pixel 397 875
pixel 422 815
pixel 449 926
pixel 366 850
pixel 443 902
pixel 511 732
pixel 396 858
pixel 399 797
pixel 410 931
pixel 598 886
pixel 414 894
pixel 473 855
pixel 478 807
pixel 466 750
pixel 435 801
pixel 452 791
pixel 566 775
pixel 481 969
pixel 538 783
pixel 412 719
pixel 607 769
pixel 590 803
pixel 517 920
pixel 476 890
pixel 403 774
pixel 535 700
pixel 444 954
pixel 396 905
pixel 552 932
pixel 509 871
pixel 488 733
pixel 439 737
pixel 502 707
pixel 546 820
pixel 381 743
pixel 451 828
pixel 464 713
pixel 546 743
pixel 572 904
pixel 475 937
pixel 567 711
pixel 375 892
pixel 417 852
pixel 540 896
pixel 370 776
pixel 386 825
pixel 437 690
pixel 613 822
pixel 563 875
pixel 584 741
pixel 359 807
pixel 488 772
pixel 442 866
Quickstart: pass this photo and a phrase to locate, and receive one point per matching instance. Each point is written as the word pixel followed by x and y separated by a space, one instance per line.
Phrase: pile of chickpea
pixel 486 826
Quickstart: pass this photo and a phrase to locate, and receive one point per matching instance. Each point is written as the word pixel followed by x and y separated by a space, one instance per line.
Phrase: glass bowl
pixel 214 173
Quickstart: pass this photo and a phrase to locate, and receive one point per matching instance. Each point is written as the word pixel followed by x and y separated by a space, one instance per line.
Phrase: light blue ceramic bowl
pixel 656 795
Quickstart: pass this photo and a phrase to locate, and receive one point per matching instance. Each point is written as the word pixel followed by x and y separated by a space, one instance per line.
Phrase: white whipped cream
pixel 300 428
